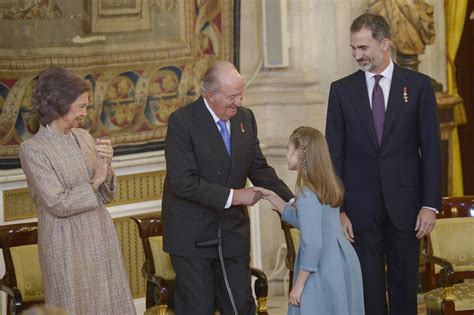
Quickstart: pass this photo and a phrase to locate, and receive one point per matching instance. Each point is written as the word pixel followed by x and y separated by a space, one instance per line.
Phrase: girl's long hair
pixel 316 170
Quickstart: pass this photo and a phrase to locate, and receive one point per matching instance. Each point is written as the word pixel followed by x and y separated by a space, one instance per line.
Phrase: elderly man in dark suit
pixel 383 133
pixel 211 150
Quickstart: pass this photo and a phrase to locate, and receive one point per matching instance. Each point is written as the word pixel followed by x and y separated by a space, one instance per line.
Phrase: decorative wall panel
pixel 17 203
pixel 143 59
pixel 133 255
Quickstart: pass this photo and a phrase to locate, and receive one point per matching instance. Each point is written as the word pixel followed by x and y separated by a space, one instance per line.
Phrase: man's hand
pixel 347 227
pixel 425 222
pixel 246 197
pixel 269 195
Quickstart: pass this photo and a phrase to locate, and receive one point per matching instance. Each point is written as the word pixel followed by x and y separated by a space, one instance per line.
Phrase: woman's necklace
pixel 70 132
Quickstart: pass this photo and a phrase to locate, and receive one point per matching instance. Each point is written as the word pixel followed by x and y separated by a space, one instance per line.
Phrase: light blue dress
pixel 334 286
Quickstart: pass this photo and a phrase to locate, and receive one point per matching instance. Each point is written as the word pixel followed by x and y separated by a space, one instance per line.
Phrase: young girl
pixel 327 277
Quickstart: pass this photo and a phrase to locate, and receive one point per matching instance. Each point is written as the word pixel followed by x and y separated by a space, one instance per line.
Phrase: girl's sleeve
pixel 289 215
pixel 309 211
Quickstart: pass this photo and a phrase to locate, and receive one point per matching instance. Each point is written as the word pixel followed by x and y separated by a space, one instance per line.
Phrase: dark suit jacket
pixel 200 175
pixel 406 167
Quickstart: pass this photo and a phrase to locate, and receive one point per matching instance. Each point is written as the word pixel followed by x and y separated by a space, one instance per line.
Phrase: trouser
pixel 200 286
pixel 383 245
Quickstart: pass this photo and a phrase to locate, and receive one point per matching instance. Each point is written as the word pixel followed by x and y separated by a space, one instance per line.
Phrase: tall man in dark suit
pixel 383 134
pixel 211 150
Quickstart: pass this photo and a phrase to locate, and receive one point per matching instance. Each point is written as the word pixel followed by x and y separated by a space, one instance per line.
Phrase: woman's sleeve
pixel 309 211
pixel 45 186
pixel 108 189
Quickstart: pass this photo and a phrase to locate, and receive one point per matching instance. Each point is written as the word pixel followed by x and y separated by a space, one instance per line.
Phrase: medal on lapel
pixel 405 94
pixel 242 129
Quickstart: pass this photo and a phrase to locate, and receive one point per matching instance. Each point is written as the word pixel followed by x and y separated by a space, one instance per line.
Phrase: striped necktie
pixel 378 108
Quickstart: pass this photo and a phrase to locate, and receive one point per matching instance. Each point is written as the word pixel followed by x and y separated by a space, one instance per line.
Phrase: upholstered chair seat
pixel 463 297
pixel 449 254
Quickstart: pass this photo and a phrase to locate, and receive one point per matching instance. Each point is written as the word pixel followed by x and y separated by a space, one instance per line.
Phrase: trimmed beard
pixel 369 66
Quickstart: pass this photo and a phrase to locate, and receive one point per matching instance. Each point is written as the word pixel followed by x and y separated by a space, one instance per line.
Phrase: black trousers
pixel 380 246
pixel 200 286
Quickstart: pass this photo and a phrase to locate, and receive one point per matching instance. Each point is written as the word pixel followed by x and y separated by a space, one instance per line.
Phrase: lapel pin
pixel 242 127
pixel 405 94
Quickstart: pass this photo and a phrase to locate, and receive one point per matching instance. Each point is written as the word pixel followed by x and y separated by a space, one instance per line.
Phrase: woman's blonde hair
pixel 316 170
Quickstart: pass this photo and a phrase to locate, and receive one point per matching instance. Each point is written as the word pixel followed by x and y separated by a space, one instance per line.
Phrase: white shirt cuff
pixel 434 209
pixel 229 199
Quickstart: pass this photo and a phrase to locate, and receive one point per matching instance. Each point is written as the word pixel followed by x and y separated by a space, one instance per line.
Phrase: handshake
pixel 251 195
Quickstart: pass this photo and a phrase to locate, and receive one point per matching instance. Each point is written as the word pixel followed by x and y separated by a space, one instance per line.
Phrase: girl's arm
pixel 309 217
pixel 298 286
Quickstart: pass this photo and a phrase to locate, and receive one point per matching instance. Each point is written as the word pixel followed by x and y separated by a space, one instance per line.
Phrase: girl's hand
pixel 295 294
pixel 269 195
pixel 266 194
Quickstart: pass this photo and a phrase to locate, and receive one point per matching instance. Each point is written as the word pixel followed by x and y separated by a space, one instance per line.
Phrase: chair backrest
pixel 457 207
pixel 452 237
pixel 454 228
pixel 291 249
pixel 150 230
pixel 292 240
pixel 20 253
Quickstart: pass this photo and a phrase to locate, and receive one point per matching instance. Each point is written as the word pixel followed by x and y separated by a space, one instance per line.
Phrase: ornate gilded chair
pixel 22 279
pixel 158 270
pixel 449 256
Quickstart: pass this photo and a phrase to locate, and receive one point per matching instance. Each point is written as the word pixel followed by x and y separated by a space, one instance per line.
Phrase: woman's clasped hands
pixel 102 167
pixel 104 150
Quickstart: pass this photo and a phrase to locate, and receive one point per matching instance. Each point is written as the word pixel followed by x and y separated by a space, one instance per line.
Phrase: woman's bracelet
pixel 109 177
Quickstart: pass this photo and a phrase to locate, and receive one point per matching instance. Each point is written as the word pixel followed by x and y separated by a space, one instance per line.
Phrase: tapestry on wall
pixel 143 59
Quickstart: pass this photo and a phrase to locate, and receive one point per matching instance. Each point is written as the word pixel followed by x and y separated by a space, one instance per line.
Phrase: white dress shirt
pixel 384 83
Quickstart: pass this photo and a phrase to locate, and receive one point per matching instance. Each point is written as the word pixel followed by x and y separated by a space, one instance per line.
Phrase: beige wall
pixel 286 98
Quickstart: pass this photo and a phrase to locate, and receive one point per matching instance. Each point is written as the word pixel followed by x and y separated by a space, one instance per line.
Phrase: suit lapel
pixel 237 137
pixel 208 130
pixel 362 106
pixel 240 150
pixel 394 104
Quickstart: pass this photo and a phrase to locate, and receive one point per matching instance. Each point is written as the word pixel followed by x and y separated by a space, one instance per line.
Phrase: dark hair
pixel 56 90
pixel 374 22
